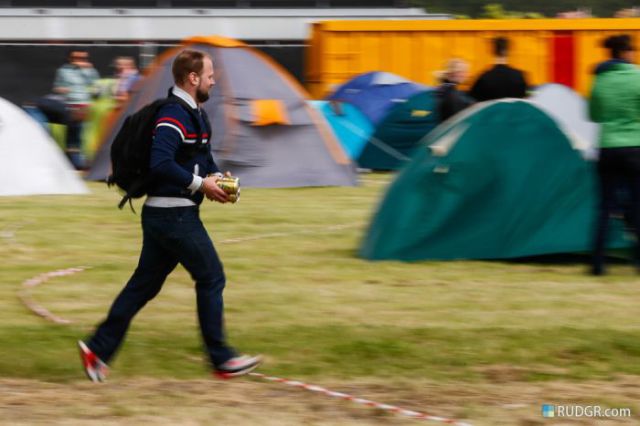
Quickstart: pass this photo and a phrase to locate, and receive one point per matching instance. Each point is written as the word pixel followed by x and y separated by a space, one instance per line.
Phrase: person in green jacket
pixel 615 104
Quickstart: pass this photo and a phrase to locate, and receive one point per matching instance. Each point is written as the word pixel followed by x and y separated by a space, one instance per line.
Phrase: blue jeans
pixel 74 144
pixel 170 236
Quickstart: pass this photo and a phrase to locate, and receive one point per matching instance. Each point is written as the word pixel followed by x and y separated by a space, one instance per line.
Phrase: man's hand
pixel 212 191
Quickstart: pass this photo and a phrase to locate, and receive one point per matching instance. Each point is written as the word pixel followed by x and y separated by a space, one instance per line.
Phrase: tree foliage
pixel 496 11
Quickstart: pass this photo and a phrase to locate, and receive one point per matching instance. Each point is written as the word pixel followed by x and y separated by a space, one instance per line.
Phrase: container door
pixel 563 59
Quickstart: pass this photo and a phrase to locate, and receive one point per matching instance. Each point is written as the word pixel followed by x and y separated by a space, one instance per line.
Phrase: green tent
pixel 500 180
pixel 398 136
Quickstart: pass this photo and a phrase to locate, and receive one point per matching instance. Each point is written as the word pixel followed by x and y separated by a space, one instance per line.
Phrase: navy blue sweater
pixel 176 155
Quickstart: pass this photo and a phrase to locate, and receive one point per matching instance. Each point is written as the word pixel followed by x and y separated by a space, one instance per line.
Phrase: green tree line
pixel 549 8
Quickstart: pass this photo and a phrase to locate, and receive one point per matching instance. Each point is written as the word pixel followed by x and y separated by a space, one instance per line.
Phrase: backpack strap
pixel 207 123
pixel 135 187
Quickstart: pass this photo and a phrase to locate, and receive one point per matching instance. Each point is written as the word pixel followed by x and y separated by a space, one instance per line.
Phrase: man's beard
pixel 202 96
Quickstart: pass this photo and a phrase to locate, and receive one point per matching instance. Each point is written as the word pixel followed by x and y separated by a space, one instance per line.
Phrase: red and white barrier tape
pixel 386 407
pixel 43 312
pixel 25 294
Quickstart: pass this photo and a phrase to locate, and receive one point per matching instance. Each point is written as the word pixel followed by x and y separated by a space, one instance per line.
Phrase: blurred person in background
pixel 501 81
pixel 183 174
pixel 615 104
pixel 450 99
pixel 127 75
pixel 74 82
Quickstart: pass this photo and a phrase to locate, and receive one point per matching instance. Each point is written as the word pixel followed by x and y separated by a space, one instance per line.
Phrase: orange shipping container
pixel 549 50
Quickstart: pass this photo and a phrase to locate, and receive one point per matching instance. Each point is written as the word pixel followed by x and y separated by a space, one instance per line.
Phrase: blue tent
pixel 402 131
pixel 374 93
pixel 349 125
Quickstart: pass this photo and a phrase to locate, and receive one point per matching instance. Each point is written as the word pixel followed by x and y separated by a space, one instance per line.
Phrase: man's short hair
pixel 500 46
pixel 75 54
pixel 186 62
pixel 617 44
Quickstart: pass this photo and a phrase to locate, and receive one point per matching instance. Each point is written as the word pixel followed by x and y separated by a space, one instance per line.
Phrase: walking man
pixel 171 226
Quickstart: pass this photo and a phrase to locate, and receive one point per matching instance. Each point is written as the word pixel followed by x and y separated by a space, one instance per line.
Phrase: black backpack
pixel 131 149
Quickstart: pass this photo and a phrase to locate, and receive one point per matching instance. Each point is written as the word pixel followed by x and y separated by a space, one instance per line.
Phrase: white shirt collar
pixel 184 96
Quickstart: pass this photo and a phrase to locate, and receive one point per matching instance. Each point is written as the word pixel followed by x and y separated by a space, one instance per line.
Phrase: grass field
pixel 485 341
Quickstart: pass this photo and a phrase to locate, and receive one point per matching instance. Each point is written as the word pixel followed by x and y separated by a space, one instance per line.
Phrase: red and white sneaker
pixel 94 367
pixel 237 366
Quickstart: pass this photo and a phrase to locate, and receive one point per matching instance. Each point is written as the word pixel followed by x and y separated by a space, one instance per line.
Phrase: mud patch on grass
pixel 252 401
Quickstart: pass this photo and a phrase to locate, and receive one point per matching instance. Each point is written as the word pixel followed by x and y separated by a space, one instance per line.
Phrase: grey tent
pixel 569 109
pixel 263 129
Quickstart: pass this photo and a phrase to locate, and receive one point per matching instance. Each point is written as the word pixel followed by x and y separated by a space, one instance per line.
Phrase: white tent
pixel 31 161
pixel 570 109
